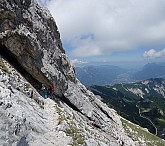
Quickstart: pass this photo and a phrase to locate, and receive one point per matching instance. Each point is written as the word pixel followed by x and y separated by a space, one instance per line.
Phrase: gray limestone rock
pixel 22 142
pixel 30 33
pixel 30 41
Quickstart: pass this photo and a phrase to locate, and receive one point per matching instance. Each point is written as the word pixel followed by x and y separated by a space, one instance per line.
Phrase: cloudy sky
pixel 111 31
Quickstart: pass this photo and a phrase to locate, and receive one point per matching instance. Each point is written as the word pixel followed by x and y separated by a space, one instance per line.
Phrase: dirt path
pixel 54 136
pixel 156 130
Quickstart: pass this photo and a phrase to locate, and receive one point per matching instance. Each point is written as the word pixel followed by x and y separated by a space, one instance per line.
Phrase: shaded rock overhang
pixel 24 63
pixel 11 58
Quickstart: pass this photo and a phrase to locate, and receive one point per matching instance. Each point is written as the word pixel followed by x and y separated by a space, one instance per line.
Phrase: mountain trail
pixel 53 135
pixel 50 109
pixel 156 130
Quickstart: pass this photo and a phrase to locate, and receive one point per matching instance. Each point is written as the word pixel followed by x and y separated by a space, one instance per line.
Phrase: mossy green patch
pixel 59 110
pixel 34 130
pixel 75 133
pixel 4 68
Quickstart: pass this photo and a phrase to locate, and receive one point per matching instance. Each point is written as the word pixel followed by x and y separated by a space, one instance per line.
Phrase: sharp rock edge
pixel 29 34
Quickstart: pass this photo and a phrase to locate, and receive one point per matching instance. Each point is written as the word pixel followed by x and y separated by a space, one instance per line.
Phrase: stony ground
pixel 29 39
pixel 36 121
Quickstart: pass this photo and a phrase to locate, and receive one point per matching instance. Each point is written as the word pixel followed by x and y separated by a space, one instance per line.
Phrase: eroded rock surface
pixel 77 117
pixel 31 34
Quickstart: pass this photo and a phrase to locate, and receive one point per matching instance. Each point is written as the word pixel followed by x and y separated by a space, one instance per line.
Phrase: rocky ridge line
pixel 29 34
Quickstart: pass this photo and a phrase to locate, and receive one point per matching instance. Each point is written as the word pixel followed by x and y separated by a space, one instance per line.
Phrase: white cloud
pixel 76 61
pixel 109 25
pixel 154 54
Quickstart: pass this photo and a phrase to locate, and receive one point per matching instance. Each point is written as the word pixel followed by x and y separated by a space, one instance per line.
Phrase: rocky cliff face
pixel 29 37
pixel 30 33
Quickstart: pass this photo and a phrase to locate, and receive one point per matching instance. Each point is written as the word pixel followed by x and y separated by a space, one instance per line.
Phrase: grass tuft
pixel 75 133
pixel 4 68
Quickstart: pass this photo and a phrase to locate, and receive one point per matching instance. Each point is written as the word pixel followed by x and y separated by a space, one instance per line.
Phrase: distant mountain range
pixel 151 70
pixel 109 74
pixel 101 75
pixel 142 102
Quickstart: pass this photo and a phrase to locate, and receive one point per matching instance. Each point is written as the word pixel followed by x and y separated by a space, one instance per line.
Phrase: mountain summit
pixel 32 56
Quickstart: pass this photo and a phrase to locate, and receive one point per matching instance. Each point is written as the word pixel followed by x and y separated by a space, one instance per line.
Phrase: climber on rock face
pixel 52 92
pixel 45 93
